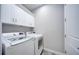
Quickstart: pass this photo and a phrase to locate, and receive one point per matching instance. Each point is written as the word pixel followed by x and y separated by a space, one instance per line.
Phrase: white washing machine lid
pixel 8 43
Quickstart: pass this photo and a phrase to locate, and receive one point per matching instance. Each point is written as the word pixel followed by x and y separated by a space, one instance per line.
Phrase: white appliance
pixel 17 44
pixel 38 41
pixel 72 29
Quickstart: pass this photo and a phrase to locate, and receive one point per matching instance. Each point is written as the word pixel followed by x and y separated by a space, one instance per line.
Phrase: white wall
pixel 6 28
pixel 49 20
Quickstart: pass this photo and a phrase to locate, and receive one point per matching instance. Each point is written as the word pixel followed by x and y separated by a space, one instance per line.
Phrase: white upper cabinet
pixel 13 14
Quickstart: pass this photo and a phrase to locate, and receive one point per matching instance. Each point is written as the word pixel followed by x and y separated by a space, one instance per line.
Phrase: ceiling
pixel 32 7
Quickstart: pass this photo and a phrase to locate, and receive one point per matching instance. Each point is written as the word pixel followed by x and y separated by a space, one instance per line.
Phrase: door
pixel 28 19
pixel 0 33
pixel 19 16
pixel 65 27
pixel 72 28
pixel 7 13
pixel 31 21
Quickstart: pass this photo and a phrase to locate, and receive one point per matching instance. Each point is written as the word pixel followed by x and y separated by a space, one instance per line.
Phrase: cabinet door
pixel 19 16
pixel 29 20
pixel 7 13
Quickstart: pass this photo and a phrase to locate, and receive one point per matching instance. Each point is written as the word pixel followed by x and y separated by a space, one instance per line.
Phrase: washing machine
pixel 17 44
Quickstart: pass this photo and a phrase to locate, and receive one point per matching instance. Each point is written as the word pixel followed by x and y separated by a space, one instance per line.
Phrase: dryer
pixel 38 43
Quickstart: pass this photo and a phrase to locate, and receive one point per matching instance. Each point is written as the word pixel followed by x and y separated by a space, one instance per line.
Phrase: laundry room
pixel 39 29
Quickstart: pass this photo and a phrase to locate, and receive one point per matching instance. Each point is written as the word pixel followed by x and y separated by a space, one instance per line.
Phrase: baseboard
pixel 53 51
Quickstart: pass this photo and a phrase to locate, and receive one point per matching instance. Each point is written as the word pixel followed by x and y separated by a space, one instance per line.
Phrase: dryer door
pixel 38 45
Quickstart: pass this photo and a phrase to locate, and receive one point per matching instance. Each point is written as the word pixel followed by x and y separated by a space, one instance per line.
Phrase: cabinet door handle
pixel 13 20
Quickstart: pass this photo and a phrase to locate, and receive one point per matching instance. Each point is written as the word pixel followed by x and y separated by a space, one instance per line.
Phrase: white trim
pixel 53 51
